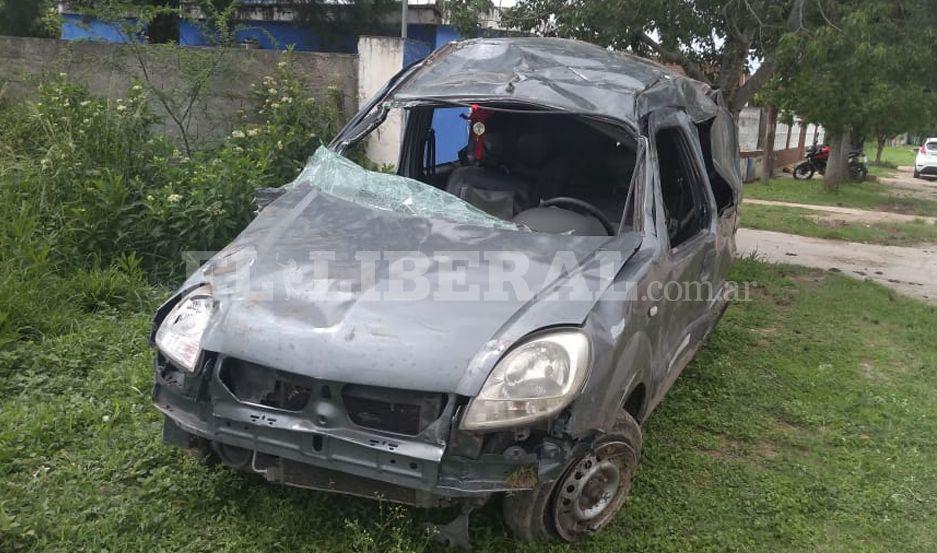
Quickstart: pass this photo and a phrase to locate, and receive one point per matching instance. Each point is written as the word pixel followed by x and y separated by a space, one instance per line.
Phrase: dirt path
pixel 848 214
pixel 905 185
pixel 911 271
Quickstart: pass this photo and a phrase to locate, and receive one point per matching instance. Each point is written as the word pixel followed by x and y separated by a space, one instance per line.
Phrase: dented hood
pixel 349 324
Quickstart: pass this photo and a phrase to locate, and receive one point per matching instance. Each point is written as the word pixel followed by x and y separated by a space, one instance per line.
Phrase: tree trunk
pixel 767 161
pixel 837 167
pixel 878 150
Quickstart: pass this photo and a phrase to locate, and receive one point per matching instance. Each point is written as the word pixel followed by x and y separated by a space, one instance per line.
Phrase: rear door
pixel 719 147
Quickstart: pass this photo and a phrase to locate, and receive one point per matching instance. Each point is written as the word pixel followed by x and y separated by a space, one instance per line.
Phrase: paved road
pixel 911 271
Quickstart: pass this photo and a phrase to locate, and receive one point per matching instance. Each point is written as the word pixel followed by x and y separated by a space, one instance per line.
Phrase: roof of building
pixel 558 73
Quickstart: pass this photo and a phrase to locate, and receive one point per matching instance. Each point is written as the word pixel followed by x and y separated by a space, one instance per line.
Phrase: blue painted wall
pixel 274 35
pixel 77 27
pixel 415 50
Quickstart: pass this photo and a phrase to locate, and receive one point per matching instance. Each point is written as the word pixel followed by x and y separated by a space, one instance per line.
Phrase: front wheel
pixel 858 171
pixel 804 171
pixel 586 497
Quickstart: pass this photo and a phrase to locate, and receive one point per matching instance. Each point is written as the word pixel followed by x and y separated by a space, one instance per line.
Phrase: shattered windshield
pixel 342 178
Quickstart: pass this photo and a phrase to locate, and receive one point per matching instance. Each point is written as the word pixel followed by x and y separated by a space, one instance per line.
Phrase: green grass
pixel 806 424
pixel 809 223
pixel 861 195
pixel 892 157
pixel 895 155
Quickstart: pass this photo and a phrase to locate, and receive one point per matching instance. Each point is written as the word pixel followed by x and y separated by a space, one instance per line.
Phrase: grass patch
pixel 894 155
pixel 810 223
pixel 861 195
pixel 892 158
pixel 806 423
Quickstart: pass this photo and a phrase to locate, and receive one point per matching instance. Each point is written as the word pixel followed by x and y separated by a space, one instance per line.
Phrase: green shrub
pixel 102 184
pixel 94 203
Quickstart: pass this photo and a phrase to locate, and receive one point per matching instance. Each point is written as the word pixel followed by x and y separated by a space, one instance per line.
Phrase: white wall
pixel 780 137
pixel 379 59
pixel 748 129
pixel 795 133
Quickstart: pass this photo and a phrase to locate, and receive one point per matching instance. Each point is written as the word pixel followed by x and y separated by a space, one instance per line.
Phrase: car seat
pixel 489 186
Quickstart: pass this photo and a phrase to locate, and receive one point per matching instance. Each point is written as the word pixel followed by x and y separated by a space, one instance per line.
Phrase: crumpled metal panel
pixel 725 150
pixel 277 309
pixel 342 178
pixel 679 92
pixel 564 74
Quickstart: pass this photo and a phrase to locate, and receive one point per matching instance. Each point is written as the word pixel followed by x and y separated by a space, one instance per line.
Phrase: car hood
pixel 358 321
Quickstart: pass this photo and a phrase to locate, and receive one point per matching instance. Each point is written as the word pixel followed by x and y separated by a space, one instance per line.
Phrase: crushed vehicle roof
pixel 557 73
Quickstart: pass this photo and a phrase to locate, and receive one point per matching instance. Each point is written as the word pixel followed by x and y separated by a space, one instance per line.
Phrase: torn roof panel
pixel 559 73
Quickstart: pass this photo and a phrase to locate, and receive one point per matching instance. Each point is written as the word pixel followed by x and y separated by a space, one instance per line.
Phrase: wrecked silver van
pixel 497 320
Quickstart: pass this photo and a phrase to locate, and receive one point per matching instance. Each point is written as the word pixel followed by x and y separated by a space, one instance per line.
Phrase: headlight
pixel 180 335
pixel 534 380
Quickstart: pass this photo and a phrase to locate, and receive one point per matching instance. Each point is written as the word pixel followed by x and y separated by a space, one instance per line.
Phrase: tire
pixel 917 174
pixel 804 171
pixel 554 510
pixel 858 172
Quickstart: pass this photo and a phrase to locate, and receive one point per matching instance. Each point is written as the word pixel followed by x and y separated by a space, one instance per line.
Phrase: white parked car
pixel 926 162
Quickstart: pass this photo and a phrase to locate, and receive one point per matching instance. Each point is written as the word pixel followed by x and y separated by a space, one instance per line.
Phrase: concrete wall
pixel 749 128
pixel 789 142
pixel 108 70
pixel 379 59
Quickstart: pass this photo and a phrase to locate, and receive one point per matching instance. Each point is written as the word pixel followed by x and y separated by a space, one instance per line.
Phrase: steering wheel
pixel 582 207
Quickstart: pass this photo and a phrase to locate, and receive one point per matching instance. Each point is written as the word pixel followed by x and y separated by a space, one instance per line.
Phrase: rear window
pixel 932 146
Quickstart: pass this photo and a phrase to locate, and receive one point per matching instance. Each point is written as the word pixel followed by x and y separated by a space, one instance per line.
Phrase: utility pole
pixel 404 5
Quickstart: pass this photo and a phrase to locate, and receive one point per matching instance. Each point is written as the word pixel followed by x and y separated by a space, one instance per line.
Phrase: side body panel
pixel 690 269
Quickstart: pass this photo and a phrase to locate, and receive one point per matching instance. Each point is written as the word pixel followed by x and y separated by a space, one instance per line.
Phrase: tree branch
pixel 796 18
pixel 751 86
pixel 693 70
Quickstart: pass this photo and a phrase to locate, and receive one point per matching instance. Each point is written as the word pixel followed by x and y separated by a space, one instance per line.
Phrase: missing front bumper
pixel 319 446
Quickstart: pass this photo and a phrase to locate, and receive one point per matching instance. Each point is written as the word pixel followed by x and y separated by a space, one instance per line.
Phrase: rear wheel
pixel 586 497
pixel 803 171
pixel 917 174
pixel 858 172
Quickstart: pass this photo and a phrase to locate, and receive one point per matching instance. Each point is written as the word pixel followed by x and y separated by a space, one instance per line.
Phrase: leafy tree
pixel 464 14
pixel 892 109
pixel 712 40
pixel 28 18
pixel 870 62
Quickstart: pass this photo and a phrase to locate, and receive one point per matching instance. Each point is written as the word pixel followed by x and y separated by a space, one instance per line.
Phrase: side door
pixel 719 144
pixel 686 222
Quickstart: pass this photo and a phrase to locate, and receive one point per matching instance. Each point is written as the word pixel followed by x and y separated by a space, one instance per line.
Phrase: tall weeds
pixel 94 203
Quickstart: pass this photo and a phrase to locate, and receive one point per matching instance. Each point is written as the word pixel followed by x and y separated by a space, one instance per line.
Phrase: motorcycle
pixel 816 158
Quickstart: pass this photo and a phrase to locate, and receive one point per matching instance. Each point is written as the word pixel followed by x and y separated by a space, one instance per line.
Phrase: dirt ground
pixel 910 271
pixel 905 185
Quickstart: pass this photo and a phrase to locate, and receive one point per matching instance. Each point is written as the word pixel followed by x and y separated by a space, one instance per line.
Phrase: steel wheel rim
pixel 591 492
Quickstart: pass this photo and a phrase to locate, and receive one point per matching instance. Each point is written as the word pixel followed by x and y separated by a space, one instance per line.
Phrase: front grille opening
pixel 391 410
pixel 264 386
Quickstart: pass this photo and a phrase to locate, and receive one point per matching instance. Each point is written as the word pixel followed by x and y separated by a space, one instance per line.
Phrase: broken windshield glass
pixel 342 178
